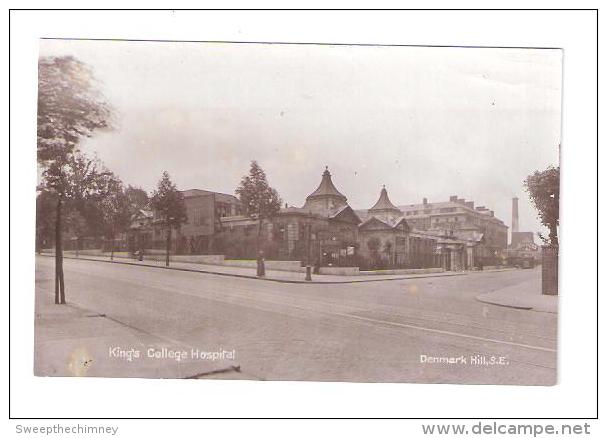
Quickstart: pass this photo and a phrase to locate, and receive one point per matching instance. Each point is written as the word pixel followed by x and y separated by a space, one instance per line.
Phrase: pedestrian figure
pixel 261 265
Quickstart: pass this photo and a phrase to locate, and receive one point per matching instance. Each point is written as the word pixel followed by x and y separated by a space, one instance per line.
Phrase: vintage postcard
pixel 310 212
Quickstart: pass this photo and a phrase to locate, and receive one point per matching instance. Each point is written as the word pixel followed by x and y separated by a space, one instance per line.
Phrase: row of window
pixel 430 211
pixel 200 217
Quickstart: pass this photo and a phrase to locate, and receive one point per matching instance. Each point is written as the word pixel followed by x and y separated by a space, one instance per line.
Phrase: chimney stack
pixel 515 215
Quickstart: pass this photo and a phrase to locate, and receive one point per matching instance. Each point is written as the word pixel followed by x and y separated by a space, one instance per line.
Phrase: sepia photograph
pixel 297 212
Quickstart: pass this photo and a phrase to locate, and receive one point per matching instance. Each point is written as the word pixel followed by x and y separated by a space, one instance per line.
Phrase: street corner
pixel 521 298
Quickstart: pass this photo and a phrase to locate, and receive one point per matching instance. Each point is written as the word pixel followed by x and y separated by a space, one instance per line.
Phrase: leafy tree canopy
pixel 138 198
pixel 256 195
pixel 374 244
pixel 543 189
pixel 69 106
pixel 115 209
pixel 168 203
pixel 77 177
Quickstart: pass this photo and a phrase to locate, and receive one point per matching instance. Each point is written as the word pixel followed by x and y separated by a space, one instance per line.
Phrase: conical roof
pixel 326 187
pixel 384 203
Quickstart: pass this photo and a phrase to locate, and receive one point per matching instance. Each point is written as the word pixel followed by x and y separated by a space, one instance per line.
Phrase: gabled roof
pixel 384 223
pixel 384 203
pixel 401 220
pixel 373 221
pixel 343 212
pixel 326 187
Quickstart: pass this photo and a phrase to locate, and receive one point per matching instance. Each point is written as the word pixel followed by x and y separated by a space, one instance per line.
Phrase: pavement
pixel 526 295
pixel 271 275
pixel 386 331
pixel 74 341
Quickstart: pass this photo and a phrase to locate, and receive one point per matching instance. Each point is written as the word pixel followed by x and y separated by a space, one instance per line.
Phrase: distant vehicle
pixel 527 263
pixel 522 262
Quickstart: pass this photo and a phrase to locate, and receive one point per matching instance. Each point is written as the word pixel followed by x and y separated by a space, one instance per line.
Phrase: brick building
pixel 204 209
pixel 461 219
pixel 453 235
pixel 386 239
pixel 324 231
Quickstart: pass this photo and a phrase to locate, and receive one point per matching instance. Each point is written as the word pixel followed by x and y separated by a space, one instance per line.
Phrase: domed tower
pixel 384 209
pixel 326 199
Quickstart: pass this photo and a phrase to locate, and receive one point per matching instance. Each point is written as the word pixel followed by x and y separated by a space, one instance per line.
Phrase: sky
pixel 423 121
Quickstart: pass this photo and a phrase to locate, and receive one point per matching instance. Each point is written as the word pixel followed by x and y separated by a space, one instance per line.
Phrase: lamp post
pixel 261 266
pixel 141 240
pixel 308 243
pixel 169 232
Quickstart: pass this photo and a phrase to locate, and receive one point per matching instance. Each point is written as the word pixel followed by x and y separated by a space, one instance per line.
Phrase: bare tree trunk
pixel 112 248
pixel 168 245
pixel 59 280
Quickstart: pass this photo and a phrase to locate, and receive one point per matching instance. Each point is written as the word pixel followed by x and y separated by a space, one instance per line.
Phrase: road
pixel 366 332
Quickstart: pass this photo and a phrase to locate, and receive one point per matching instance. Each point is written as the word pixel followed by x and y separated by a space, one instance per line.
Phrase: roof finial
pixel 326 167
pixel 383 186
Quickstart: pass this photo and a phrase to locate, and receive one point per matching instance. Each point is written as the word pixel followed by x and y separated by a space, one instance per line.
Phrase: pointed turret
pixel 384 209
pixel 384 203
pixel 326 199
pixel 326 188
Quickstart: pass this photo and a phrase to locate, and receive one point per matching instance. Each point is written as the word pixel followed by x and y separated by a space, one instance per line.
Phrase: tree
pixel 169 206
pixel 69 106
pixel 543 189
pixel 259 199
pixel 374 244
pixel 45 224
pixel 69 109
pixel 388 250
pixel 116 211
pixel 77 224
pixel 137 197
pixel 74 180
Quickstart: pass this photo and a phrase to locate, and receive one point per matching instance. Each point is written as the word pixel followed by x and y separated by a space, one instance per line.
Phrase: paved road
pixel 344 332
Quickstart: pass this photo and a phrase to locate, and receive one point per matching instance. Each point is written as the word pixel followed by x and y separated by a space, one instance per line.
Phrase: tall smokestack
pixel 514 215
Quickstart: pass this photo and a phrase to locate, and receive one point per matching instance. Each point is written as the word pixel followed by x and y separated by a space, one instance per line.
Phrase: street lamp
pixel 308 243
pixel 140 240
pixel 170 220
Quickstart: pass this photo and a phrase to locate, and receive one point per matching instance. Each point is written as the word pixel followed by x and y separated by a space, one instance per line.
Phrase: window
pixel 198 216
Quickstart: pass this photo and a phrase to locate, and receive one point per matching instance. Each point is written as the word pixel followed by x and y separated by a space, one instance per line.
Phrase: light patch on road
pixel 79 362
pixel 412 289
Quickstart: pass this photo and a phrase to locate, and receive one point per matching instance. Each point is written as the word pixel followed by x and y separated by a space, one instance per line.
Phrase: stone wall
pixel 273 265
pixel 403 271
pixel 339 270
